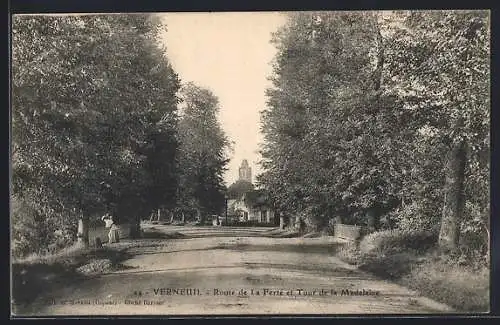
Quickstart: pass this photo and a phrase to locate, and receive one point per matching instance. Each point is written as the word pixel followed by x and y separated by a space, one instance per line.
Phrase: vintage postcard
pixel 250 163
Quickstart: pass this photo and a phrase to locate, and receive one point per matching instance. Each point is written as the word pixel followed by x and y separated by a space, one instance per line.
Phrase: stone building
pixel 245 171
pixel 252 206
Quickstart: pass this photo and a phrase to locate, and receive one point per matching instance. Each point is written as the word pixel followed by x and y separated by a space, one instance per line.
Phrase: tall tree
pixel 86 92
pixel 439 67
pixel 367 110
pixel 202 153
pixel 325 117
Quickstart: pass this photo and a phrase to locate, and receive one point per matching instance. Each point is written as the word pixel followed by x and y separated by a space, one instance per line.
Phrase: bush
pixel 416 215
pixel 34 233
pixel 398 255
pixel 474 233
pixel 30 232
pixel 392 266
pixel 393 241
pixel 389 253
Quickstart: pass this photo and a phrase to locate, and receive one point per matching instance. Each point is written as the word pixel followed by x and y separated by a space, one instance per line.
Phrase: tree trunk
pixel 83 231
pixel 282 222
pixel 298 223
pixel 97 242
pixel 453 198
pixel 200 217
pixel 183 217
pixel 135 228
pixel 373 220
pixel 159 214
pixel 171 216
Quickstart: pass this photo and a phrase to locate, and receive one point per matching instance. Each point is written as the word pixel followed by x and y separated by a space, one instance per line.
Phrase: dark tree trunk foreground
pixel 453 198
pixel 135 228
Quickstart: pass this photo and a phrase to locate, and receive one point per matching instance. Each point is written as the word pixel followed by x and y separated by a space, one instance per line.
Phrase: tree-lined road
pixel 219 268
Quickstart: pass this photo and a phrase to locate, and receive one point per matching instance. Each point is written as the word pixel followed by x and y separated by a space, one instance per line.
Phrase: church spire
pixel 245 171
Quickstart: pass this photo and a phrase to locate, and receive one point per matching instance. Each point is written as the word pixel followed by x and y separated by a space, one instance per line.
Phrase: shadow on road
pixel 179 232
pixel 154 234
pixel 320 248
pixel 327 270
pixel 327 249
pixel 177 251
pixel 221 234
pixel 179 269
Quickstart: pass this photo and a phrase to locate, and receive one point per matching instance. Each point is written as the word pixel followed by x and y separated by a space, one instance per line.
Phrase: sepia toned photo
pixel 250 163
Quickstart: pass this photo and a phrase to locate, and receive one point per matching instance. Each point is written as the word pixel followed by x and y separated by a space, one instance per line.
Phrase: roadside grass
pixel 73 256
pixel 37 273
pixel 70 252
pixel 462 287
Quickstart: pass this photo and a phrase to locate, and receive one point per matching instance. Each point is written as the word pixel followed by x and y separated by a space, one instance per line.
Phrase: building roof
pixel 256 198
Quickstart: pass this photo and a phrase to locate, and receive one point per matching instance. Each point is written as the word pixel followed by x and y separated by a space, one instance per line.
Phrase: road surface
pixel 220 271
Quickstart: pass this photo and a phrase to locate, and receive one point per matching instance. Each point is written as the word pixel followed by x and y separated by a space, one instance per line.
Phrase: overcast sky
pixel 229 53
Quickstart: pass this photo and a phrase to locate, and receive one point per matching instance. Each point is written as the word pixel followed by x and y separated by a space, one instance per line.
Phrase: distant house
pixel 252 206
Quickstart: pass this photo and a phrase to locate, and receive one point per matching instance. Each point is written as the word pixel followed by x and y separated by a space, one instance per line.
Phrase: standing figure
pixel 114 234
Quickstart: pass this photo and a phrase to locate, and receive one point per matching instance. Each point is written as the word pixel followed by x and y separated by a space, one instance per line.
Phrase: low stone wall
pixel 347 232
pixel 102 232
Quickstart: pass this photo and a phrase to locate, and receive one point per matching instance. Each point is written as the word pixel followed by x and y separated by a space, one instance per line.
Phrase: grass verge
pixel 461 287
pixel 41 273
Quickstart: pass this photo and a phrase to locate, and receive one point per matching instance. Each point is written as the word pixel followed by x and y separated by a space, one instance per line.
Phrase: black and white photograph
pixel 250 163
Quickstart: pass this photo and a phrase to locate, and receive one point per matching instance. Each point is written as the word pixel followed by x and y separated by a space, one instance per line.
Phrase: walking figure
pixel 114 234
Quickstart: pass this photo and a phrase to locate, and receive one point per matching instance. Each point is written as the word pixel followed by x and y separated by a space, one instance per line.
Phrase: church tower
pixel 245 171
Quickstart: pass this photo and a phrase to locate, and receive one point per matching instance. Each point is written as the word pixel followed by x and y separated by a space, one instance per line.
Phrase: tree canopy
pixel 369 113
pixel 202 152
pixel 96 127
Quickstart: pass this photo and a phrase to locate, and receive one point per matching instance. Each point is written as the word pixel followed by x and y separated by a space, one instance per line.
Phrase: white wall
pixel 253 214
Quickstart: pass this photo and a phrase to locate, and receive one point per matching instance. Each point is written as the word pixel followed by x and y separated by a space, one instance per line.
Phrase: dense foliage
pixel 202 154
pixel 94 125
pixel 382 119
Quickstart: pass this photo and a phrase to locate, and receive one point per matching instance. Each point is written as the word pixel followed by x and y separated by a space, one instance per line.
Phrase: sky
pixel 230 54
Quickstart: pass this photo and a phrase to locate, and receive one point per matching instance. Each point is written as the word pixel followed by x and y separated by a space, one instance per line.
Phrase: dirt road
pixel 232 271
